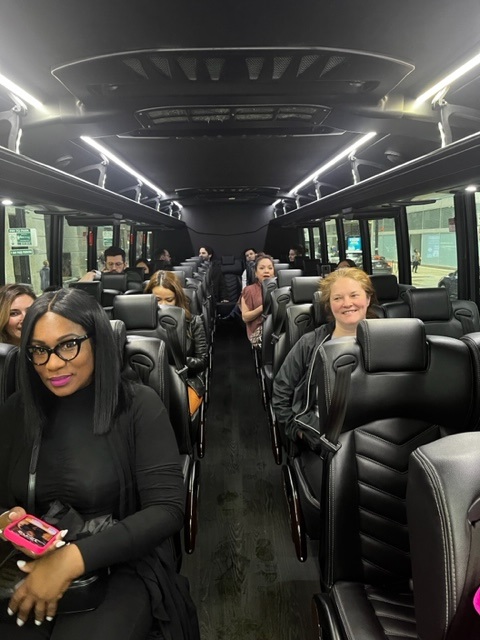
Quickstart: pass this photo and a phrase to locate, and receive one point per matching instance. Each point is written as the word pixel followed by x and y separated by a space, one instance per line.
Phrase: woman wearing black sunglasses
pixel 106 447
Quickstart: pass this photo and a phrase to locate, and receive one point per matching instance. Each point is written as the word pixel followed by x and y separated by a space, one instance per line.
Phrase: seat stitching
pixel 426 465
pixel 385 493
pixel 392 442
pixel 381 464
pixel 383 517
pixel 385 544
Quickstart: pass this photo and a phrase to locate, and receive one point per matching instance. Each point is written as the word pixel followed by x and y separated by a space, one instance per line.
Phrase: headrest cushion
pixel 429 304
pixel 386 287
pixel 303 289
pixel 285 276
pixel 137 312
pixel 393 344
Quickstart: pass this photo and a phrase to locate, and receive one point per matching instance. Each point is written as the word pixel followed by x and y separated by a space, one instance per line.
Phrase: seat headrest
pixel 278 266
pixel 393 344
pixel 303 289
pixel 285 276
pixel 186 268
pixel 120 335
pixel 386 287
pixel 137 312
pixel 116 281
pixel 429 304
pixel 319 313
pixel 180 275
pixel 93 288
pixel 228 259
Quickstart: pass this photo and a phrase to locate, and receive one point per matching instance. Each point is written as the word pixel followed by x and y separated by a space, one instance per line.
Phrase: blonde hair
pixel 353 273
pixel 169 280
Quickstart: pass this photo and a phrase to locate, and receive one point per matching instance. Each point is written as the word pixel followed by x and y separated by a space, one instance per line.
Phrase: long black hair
pixel 111 392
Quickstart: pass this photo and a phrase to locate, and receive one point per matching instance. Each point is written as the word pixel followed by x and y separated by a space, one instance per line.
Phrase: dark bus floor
pixel 244 576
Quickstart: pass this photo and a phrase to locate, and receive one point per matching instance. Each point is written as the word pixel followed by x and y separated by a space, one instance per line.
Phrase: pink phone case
pixel 32 533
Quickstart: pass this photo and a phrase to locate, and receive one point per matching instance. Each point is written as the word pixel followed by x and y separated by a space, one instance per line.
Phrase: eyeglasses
pixel 110 265
pixel 67 350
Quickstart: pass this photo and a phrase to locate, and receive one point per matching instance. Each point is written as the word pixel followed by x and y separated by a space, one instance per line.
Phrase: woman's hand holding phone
pixel 29 534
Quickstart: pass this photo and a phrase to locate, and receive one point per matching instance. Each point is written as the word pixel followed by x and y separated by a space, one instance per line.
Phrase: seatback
pixel 443 508
pixel 8 370
pixel 181 275
pixel 434 307
pixel 268 285
pixel 186 268
pixel 285 276
pixel 114 281
pixel 398 400
pixel 195 306
pixel 93 288
pixel 278 266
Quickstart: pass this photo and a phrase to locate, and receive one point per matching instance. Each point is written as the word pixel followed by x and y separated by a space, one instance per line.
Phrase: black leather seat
pixel 397 401
pixel 8 370
pixel 143 317
pixel 93 288
pixel 145 359
pixel 443 508
pixel 390 296
pixel 440 315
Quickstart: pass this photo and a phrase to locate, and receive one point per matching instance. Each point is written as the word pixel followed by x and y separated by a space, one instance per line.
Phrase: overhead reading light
pixel 462 70
pixel 471 187
pixel 331 163
pixel 21 93
pixel 7 202
pixel 123 165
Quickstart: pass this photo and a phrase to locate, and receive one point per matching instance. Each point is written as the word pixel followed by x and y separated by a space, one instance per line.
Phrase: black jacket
pixel 292 390
pixel 197 352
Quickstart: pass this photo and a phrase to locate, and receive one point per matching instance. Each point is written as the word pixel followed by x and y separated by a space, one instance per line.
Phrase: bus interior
pixel 350 129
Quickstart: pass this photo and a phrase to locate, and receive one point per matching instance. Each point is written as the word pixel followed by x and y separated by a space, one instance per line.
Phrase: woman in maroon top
pixel 251 302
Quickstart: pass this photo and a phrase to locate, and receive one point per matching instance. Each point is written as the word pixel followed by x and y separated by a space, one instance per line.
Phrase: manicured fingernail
pixel 10 612
pixel 20 622
pixel 59 544
pixel 48 618
pixel 38 622
pixel 12 514
pixel 21 564
pixel 1 531
pixel 63 533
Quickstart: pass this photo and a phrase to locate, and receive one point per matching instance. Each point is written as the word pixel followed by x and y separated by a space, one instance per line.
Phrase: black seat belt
pixel 466 622
pixel 175 350
pixel 338 405
pixel 280 318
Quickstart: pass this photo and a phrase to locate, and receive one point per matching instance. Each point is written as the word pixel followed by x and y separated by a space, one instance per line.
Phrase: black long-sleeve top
pixel 78 468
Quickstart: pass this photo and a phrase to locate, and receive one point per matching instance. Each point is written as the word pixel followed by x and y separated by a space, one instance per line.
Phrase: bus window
pixel 433 248
pixel 104 240
pixel 383 247
pixel 353 242
pixel 26 256
pixel 125 238
pixel 332 242
pixel 315 253
pixel 74 253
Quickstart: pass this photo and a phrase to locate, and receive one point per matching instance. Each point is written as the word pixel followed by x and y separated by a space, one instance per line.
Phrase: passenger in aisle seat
pixel 347 295
pixel 251 301
pixel 167 288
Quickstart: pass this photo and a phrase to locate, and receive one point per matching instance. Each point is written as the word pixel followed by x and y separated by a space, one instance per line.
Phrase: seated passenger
pixel 347 295
pixel 15 299
pixel 296 251
pixel 248 272
pixel 162 260
pixel 141 263
pixel 108 451
pixel 251 301
pixel 166 287
pixel 346 264
pixel 115 262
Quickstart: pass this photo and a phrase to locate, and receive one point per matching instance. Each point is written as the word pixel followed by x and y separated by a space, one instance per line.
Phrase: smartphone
pixel 31 533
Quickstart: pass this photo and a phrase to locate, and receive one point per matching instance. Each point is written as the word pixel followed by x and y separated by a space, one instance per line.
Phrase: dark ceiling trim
pixel 21 177
pixel 450 167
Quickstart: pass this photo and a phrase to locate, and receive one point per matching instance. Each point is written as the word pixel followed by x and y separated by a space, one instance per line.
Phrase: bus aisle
pixel 244 575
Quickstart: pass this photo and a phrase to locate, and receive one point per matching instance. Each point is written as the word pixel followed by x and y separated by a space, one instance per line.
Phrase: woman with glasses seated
pixel 78 434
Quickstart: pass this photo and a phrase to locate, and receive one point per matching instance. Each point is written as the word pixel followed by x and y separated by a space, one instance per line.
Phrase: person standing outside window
pixel 416 260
